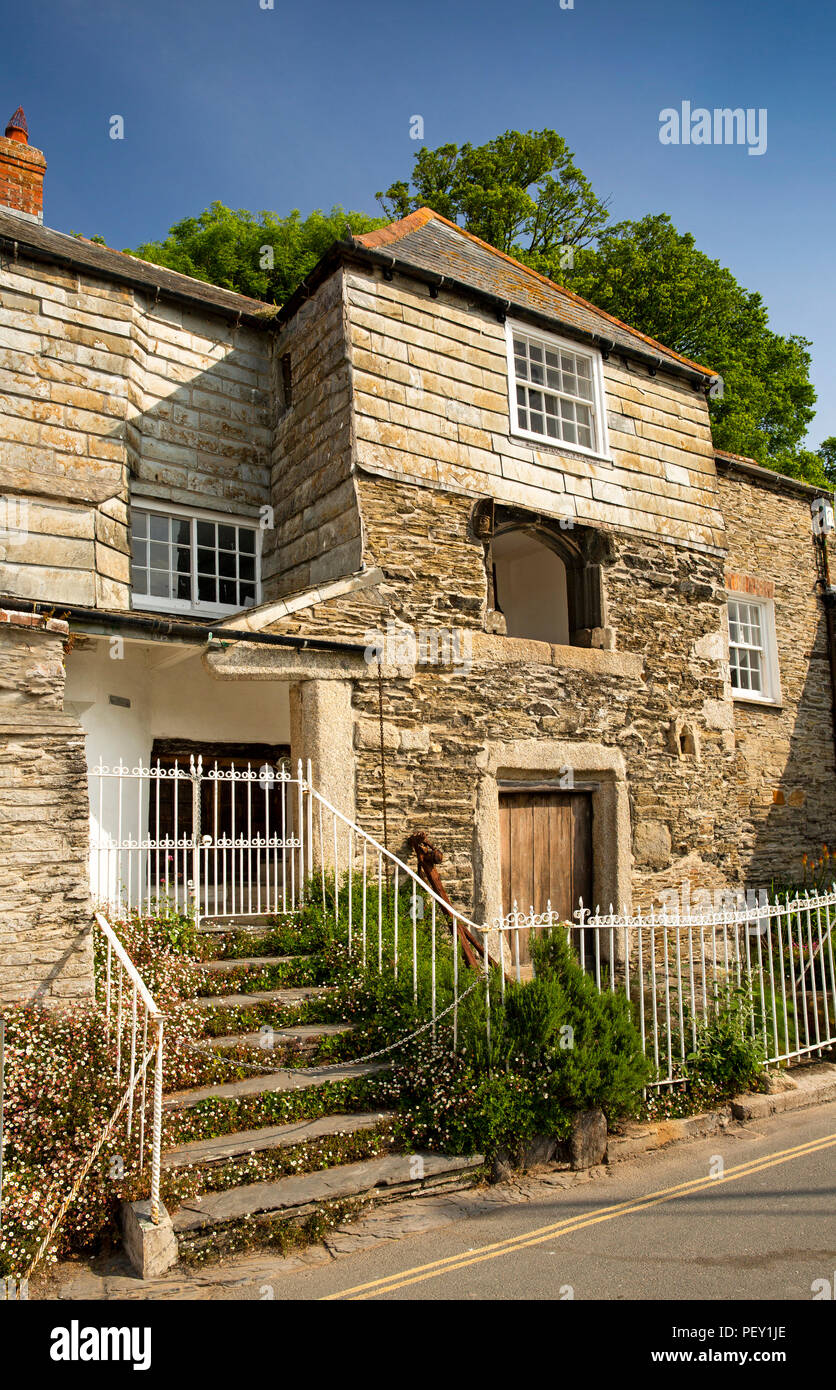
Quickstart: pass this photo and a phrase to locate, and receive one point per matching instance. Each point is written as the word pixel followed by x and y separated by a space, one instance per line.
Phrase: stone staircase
pixel 306 1136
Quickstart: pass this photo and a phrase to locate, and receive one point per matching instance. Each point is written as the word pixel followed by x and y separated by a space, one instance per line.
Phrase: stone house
pixel 439 525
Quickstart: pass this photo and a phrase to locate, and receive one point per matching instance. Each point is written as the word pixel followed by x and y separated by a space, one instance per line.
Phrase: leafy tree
pixel 656 279
pixel 521 193
pixel 264 256
pixel 827 453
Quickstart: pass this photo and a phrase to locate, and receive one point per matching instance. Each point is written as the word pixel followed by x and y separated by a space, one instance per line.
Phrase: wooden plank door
pixel 546 853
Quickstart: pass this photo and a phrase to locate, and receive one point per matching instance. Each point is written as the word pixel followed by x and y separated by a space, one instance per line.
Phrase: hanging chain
pixel 350 1061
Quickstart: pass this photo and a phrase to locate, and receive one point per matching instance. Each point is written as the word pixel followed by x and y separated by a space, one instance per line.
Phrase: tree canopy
pixel 657 280
pixel 261 255
pixel 521 193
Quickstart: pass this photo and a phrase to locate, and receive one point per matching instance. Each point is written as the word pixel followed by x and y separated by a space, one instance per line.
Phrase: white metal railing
pixel 247 840
pixel 219 841
pixel 135 1023
pixel 135 1026
pixel 239 841
pixel 677 969
pixel 356 871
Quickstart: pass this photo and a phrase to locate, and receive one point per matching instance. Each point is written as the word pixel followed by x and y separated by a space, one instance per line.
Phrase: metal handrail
pixel 138 1070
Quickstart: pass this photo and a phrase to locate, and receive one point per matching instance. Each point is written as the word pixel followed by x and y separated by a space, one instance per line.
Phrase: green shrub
pixel 726 1059
pixel 557 1046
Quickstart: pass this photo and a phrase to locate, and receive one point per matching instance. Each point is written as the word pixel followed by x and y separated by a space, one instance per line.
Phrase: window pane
pixel 747 654
pixel 557 411
pixel 163 558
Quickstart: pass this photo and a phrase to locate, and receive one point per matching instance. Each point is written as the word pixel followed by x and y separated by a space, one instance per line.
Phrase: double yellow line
pixel 420 1273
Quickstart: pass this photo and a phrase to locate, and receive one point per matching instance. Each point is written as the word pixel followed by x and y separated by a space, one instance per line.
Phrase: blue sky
pixel 307 105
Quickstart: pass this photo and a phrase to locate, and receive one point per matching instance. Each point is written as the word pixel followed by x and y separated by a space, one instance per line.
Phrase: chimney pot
pixel 17 129
pixel 22 169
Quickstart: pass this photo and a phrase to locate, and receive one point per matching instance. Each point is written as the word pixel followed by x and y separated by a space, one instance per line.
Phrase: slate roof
pixel 59 248
pixel 427 240
pixel 741 463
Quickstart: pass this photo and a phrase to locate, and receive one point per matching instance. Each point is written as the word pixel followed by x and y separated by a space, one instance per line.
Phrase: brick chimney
pixel 22 169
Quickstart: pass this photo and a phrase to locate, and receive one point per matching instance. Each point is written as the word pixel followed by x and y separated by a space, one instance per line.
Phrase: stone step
pixel 302 1033
pixel 245 962
pixel 251 1141
pixel 287 996
pixel 243 922
pixel 284 1079
pixel 382 1178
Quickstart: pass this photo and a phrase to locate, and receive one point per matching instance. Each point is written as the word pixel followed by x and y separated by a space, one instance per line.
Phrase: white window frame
pixel 597 404
pixel 148 603
pixel 771 672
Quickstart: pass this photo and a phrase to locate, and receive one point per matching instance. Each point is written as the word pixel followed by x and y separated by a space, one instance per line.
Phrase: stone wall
pixel 431 392
pixel 658 700
pixel 785 779
pixel 45 912
pixel 318 533
pixel 104 391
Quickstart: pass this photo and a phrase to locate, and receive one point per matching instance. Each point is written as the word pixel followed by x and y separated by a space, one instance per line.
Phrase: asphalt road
pixel 750 1215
